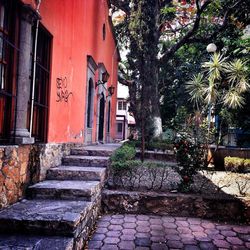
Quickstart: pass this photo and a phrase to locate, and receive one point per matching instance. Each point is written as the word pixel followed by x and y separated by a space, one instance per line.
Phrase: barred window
pixel 9 33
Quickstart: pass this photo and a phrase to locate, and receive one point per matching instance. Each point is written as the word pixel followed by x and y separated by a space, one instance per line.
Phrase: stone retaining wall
pixel 175 204
pixel 23 165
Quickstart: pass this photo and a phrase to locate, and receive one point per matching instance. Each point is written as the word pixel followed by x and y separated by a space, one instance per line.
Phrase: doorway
pixel 101 118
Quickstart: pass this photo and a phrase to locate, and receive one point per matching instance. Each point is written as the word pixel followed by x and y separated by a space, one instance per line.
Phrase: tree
pixel 155 30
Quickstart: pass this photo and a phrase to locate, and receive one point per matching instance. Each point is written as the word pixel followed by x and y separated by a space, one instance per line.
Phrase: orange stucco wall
pixel 76 27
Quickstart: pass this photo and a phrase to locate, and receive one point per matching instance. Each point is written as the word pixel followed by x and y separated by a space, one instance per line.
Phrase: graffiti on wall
pixel 63 93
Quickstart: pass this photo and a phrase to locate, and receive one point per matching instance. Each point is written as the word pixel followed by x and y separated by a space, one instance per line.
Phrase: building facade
pixel 125 122
pixel 58 84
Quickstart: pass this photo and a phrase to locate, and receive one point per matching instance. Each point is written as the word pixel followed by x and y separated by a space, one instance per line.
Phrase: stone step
pixel 86 161
pixel 76 173
pixel 26 242
pixel 65 190
pixel 91 151
pixel 46 217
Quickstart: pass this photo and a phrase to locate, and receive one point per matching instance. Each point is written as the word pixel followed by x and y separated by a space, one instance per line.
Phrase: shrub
pixel 191 156
pixel 125 165
pixel 234 164
pixel 246 166
pixel 125 153
pixel 237 164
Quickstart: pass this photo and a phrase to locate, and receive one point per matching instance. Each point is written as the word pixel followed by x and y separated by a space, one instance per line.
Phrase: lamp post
pixel 211 48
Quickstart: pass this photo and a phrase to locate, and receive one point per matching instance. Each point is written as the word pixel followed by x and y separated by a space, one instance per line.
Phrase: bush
pixel 125 153
pixel 237 164
pixel 125 165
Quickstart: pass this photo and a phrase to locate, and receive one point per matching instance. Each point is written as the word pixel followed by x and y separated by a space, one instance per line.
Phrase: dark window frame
pixel 42 85
pixel 9 41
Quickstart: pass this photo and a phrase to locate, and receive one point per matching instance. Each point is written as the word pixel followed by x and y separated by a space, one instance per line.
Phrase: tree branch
pixel 122 5
pixel 190 33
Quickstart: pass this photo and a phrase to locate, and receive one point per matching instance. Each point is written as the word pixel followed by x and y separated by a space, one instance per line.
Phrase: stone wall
pixel 21 166
pixel 176 204
pixel 219 154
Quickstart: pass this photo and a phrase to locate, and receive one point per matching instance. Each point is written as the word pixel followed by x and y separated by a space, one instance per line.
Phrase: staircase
pixel 60 211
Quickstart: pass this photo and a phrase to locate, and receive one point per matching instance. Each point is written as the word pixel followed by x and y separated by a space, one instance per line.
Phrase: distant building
pixel 125 122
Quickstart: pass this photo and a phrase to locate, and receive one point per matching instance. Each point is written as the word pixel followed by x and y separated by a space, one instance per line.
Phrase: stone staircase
pixel 60 211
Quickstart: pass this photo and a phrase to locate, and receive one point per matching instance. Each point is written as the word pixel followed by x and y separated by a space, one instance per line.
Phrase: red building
pixel 75 49
pixel 58 82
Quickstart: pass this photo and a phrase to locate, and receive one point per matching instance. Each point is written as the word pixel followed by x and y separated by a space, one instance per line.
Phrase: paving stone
pixel 171 231
pixel 197 228
pixel 142 235
pixel 157 227
pixel 158 246
pixel 155 221
pixel 117 216
pixel 247 245
pixel 105 218
pixel 224 227
pixel 115 227
pixel 111 240
pixel 207 225
pixel 127 237
pixel 109 247
pixel 207 246
pixel 103 223
pixel 216 236
pixel 221 243
pixel 142 217
pixel 114 233
pixel 129 225
pixel 142 248
pixel 101 230
pixel 172 237
pixel 244 237
pixel 97 237
pixel 116 221
pixel 169 225
pixel 126 245
pixel 182 223
pixel 183 230
pixel 129 231
pixel 234 240
pixel 130 219
pixel 143 223
pixel 191 247
pixel 194 221
pixel 94 244
pixel 141 229
pixel 157 233
pixel 158 239
pixel 142 242
pixel 228 233
pixel 242 230
pixel 174 244
pixel 168 219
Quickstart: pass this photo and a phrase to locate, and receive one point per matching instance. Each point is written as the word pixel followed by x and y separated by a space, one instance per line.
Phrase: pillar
pixel 21 133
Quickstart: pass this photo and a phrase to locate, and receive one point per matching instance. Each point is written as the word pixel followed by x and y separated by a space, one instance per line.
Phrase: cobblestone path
pixel 161 232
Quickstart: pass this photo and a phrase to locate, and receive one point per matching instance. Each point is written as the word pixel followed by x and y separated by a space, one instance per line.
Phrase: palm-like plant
pixel 210 88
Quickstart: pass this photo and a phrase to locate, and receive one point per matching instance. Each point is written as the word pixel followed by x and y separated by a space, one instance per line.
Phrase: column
pixel 21 133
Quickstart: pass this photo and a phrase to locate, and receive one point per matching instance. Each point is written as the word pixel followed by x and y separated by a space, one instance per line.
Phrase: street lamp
pixel 211 48
pixel 105 77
